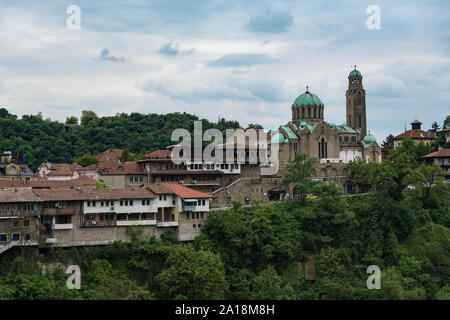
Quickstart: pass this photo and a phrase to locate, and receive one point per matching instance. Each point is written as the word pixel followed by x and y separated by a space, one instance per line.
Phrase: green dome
pixel 278 138
pixel 306 99
pixel 332 124
pixel 369 139
pixel 355 73
pixel 303 124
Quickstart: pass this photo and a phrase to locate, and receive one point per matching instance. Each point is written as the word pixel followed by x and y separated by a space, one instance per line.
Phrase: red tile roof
pixel 159 155
pixel 186 193
pixel 414 134
pixel 94 194
pixel 18 195
pixel 62 169
pixel 49 184
pixel 110 154
pixel 115 167
pixel 443 153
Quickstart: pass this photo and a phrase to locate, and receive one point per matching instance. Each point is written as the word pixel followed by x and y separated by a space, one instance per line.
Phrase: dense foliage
pixel 264 251
pixel 46 140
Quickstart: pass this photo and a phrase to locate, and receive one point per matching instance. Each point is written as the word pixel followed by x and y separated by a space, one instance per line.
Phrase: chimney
pixel 416 124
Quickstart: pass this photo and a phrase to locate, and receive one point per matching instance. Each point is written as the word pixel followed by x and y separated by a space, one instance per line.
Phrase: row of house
pixel 85 215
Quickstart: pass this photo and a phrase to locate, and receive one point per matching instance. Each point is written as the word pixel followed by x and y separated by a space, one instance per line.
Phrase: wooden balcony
pixel 57 211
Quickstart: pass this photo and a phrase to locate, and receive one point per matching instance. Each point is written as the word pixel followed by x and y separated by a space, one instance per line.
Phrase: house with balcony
pixel 85 216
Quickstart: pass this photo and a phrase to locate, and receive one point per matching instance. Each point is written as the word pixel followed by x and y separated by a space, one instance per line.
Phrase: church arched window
pixel 315 113
pixel 303 113
pixel 309 113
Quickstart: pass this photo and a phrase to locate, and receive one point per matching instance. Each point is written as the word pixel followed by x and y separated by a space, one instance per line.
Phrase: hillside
pixel 47 140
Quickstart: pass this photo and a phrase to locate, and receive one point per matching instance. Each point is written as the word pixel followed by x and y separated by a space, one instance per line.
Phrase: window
pixel 131 202
pixel 192 226
pixel 141 179
pixel 199 225
pixel 15 237
pixel 4 237
pixel 136 179
pixel 160 197
pixel 143 202
pixel 26 222
pixel 121 202
pixel 131 179
pixel 27 237
pixel 88 203
pixel 126 202
pixel 201 215
pixel 165 198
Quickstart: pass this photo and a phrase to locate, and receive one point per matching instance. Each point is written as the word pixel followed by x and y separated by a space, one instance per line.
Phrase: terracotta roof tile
pixel 443 153
pixel 61 169
pixel 94 194
pixel 18 195
pixel 110 154
pixel 159 155
pixel 115 167
pixel 414 134
pixel 186 193
pixel 44 183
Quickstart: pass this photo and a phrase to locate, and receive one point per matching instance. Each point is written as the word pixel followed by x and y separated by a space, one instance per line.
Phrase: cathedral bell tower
pixel 356 102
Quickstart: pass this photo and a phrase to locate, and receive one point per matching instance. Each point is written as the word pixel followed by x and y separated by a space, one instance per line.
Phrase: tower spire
pixel 307 89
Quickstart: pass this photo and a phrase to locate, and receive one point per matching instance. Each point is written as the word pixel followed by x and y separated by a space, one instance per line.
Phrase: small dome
pixel 306 99
pixel 303 124
pixel 332 124
pixel 369 139
pixel 355 73
pixel 278 138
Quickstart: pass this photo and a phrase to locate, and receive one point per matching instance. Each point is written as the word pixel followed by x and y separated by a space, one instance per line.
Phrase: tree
pixel 126 155
pixel 267 285
pixel 72 120
pixel 87 160
pixel 88 117
pixel 435 128
pixel 192 275
pixel 255 126
pixel 104 283
pixel 299 174
pixel 388 143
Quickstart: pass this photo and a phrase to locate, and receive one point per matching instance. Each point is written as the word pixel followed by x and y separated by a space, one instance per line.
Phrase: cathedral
pixel 333 145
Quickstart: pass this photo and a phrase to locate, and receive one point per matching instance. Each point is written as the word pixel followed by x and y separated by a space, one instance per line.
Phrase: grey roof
pixel 18 195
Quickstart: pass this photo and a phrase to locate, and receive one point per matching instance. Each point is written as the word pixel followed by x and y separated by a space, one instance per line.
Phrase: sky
pixel 243 60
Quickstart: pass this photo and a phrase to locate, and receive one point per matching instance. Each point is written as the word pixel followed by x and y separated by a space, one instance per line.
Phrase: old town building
pixel 84 216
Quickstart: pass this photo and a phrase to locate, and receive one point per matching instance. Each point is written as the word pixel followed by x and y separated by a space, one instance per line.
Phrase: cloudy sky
pixel 244 60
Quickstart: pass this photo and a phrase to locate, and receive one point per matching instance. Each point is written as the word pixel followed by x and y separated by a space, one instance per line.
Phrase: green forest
pixel 46 140
pixel 401 225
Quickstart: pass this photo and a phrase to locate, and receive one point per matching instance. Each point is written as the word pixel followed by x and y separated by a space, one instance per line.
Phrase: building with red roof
pixel 441 158
pixel 416 134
